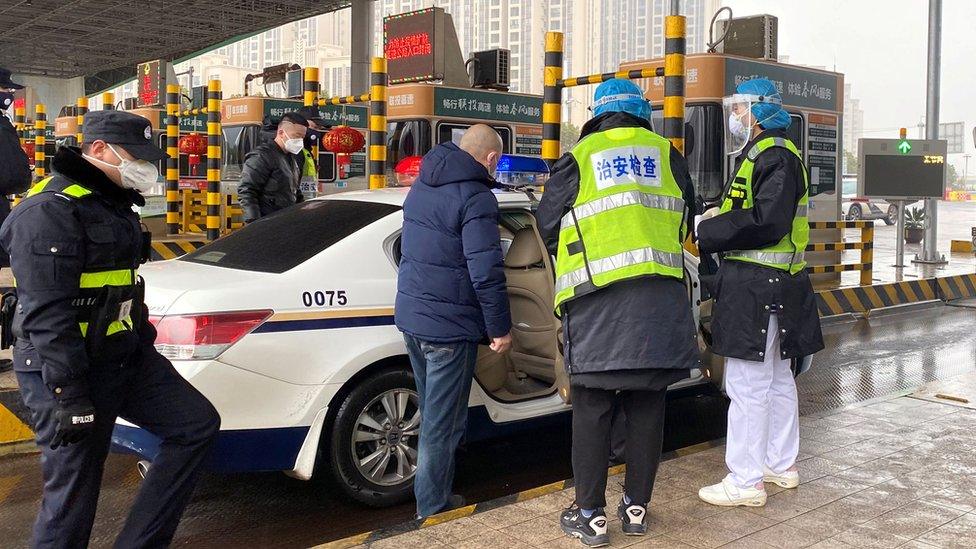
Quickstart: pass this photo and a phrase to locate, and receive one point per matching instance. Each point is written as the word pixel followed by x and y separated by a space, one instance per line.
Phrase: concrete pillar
pixel 361 45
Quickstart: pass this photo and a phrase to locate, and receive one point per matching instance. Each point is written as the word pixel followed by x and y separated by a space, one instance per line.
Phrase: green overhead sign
pixel 904 147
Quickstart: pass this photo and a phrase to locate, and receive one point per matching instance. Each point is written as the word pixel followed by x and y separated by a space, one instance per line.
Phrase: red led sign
pixel 408 42
pixel 151 84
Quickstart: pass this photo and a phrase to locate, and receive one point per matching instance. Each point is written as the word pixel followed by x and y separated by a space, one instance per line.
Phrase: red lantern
pixel 194 146
pixel 343 139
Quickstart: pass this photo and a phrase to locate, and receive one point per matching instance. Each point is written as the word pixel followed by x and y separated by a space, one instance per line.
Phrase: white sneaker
pixel 789 479
pixel 727 494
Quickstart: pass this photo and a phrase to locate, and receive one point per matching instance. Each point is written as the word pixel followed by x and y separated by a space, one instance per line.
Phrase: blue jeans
pixel 443 373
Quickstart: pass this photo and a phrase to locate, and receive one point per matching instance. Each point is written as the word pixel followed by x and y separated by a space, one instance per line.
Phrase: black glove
pixel 75 421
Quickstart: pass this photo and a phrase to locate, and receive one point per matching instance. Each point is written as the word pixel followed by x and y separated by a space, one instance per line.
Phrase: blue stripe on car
pixel 323 324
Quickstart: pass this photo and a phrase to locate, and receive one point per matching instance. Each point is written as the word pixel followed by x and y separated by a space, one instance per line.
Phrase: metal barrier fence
pixel 866 245
pixel 194 212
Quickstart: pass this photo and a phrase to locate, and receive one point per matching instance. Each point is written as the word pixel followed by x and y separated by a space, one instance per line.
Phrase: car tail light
pixel 859 199
pixel 407 170
pixel 203 336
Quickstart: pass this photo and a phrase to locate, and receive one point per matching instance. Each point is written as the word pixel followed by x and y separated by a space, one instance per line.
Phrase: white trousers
pixel 764 427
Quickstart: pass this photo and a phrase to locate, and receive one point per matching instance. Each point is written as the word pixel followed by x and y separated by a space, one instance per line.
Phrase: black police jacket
pixel 270 181
pixel 15 175
pixel 52 239
pixel 746 294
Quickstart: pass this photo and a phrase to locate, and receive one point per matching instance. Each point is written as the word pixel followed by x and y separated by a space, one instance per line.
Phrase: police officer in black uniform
pixel 84 350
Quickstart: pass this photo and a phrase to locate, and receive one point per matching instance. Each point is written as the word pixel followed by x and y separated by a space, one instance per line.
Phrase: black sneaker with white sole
pixel 591 531
pixel 633 518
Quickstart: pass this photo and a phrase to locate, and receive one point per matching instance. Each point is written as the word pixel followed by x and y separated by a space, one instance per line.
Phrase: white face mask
pixel 295 145
pixel 139 175
pixel 737 128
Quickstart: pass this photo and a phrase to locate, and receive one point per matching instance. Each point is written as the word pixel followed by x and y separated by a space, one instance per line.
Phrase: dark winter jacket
pixel 15 174
pixel 451 285
pixel 270 181
pixel 640 324
pixel 745 294
pixel 52 239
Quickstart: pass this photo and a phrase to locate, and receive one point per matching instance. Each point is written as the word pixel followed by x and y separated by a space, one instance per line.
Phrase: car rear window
pixel 279 242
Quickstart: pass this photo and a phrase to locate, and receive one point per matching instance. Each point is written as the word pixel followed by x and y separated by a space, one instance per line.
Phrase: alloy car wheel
pixel 384 440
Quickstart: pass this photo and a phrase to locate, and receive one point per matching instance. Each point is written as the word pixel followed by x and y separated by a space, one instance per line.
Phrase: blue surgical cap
pixel 769 115
pixel 619 95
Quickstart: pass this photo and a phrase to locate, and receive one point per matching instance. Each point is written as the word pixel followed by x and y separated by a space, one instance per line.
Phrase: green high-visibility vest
pixel 91 282
pixel 628 220
pixel 787 254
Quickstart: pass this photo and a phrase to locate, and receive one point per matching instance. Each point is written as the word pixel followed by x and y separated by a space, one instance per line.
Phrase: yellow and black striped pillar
pixel 20 120
pixel 40 126
pixel 552 97
pixel 213 159
pixel 82 109
pixel 377 123
pixel 172 159
pixel 674 80
pixel 108 101
pixel 310 89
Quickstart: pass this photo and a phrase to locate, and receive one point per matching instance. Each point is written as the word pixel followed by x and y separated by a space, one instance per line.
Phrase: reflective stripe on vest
pixel 118 277
pixel 627 198
pixel 629 216
pixel 626 259
pixel 787 254
pixel 73 190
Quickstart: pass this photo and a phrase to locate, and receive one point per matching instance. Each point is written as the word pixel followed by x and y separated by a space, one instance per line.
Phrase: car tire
pixel 892 216
pixel 854 213
pixel 345 457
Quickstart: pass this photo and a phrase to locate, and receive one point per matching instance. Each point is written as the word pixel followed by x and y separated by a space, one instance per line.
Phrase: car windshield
pixel 282 241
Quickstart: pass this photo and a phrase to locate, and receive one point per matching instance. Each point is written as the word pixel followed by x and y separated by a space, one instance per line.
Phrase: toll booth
pixel 244 118
pixel 421 116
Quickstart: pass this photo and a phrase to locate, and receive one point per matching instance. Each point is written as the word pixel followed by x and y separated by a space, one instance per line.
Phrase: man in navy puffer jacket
pixel 450 296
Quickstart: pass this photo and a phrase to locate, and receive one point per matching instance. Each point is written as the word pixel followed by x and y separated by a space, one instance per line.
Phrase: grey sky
pixel 880 46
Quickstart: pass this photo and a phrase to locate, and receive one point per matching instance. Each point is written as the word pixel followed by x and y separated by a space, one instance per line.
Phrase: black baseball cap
pixel 129 131
pixel 5 81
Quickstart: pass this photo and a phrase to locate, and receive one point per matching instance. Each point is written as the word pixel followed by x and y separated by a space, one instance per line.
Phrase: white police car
pixel 287 327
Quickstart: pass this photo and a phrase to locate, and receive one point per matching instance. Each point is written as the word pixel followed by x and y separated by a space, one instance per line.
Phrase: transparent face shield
pixel 739 120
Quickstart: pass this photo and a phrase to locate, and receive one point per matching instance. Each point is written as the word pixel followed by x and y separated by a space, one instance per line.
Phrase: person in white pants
pixel 764 314
pixel 764 420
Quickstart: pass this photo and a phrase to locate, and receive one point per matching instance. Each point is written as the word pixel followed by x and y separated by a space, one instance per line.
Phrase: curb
pixel 525 495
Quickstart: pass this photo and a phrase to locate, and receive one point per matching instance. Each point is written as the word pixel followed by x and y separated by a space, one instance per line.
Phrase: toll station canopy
pixel 104 40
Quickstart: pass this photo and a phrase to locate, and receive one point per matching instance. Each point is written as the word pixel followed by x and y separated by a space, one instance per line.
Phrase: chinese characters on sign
pixel 408 46
pixel 822 152
pixel 627 165
pixel 798 87
pixel 487 105
pixel 401 100
pixel 409 41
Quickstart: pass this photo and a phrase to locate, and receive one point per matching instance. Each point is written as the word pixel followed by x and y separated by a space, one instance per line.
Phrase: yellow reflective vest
pixel 628 220
pixel 788 253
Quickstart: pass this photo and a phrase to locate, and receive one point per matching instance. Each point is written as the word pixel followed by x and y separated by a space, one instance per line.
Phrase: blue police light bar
pixel 519 163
